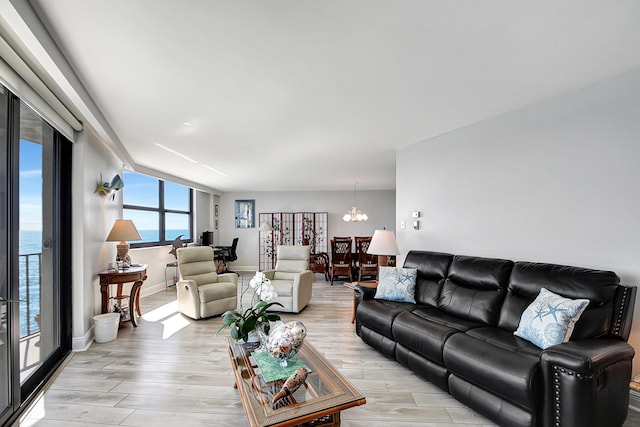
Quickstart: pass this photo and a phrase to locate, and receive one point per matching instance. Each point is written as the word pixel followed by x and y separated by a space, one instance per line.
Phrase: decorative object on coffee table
pixel 325 394
pixel 255 318
pixel 291 384
pixel 285 341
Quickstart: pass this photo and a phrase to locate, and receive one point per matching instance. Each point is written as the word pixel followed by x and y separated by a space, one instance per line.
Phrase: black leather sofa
pixel 459 335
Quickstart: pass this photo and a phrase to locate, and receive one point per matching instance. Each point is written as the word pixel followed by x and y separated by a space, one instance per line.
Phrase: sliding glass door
pixel 39 316
pixel 35 328
pixel 5 312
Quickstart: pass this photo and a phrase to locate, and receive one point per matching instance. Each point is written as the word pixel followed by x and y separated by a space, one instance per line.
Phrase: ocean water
pixel 152 235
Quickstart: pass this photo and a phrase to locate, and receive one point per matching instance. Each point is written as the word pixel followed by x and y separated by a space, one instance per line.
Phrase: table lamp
pixel 123 230
pixel 383 243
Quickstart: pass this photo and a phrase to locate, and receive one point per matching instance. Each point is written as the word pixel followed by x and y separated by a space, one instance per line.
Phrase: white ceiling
pixel 316 95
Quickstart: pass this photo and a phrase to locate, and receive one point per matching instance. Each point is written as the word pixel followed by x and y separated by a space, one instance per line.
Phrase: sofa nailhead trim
pixel 623 304
pixel 558 370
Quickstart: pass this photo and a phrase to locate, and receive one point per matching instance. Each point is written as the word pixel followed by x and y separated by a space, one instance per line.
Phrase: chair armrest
pixel 304 278
pixel 586 382
pixel 188 298
pixel 270 274
pixel 302 290
pixel 188 286
pixel 228 277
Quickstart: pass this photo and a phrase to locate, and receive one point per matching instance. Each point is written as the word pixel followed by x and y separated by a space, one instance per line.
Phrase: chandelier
pixel 355 214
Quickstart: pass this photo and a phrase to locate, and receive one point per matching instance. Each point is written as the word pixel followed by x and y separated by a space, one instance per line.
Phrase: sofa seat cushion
pixel 422 336
pixel 216 291
pixel 378 315
pixel 498 362
pixel 441 318
pixel 505 340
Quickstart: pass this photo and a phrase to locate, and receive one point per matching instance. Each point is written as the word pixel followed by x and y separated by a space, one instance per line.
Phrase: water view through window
pixel 161 210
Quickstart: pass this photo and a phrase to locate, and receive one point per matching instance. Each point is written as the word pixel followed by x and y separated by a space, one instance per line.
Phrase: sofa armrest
pixel 583 380
pixel 228 277
pixel 363 293
pixel 587 356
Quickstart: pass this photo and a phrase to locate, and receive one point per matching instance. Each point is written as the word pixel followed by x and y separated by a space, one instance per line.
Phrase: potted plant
pixel 254 319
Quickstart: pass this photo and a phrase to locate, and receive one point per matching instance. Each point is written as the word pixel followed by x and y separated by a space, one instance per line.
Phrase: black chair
pixel 226 254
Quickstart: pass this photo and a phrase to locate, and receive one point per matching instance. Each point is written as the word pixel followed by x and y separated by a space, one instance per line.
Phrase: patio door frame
pixel 21 395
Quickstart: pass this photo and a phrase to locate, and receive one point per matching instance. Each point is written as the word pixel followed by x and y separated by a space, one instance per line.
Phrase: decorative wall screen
pixel 291 228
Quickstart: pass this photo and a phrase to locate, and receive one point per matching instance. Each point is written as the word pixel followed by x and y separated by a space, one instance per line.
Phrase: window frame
pixel 161 211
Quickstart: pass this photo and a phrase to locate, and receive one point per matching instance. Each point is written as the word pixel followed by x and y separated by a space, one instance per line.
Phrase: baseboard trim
pixel 634 400
pixel 82 343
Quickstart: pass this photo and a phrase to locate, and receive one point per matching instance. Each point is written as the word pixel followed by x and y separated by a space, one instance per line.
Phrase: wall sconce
pixel 109 189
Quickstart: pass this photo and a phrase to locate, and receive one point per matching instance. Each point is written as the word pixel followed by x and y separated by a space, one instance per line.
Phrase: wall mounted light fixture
pixel 109 189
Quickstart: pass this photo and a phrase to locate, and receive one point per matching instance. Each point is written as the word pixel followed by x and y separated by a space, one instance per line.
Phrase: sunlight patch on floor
pixel 170 318
pixel 34 414
pixel 174 324
pixel 162 312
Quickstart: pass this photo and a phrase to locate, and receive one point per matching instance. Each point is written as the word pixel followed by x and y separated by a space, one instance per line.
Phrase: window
pixel 161 210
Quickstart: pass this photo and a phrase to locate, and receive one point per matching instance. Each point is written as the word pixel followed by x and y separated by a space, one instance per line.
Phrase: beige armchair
pixel 292 279
pixel 201 291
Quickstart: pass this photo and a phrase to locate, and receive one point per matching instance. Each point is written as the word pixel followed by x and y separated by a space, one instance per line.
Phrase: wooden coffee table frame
pixel 326 392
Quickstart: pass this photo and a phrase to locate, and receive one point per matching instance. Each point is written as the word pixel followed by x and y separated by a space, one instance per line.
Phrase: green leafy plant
pixel 256 316
pixel 242 324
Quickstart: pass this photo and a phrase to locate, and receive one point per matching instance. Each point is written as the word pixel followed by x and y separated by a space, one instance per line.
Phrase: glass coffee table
pixel 317 402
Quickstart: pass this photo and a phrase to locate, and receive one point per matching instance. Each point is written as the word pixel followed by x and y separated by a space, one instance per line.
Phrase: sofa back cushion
pixel 432 270
pixel 475 288
pixel 599 287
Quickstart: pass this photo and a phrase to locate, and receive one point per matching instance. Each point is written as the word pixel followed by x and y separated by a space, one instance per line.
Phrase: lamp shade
pixel 123 230
pixel 383 242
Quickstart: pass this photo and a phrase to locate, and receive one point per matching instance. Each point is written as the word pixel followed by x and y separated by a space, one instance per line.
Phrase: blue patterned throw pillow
pixel 549 319
pixel 397 284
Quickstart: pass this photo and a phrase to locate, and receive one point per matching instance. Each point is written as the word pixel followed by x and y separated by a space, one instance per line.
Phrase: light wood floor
pixel 170 371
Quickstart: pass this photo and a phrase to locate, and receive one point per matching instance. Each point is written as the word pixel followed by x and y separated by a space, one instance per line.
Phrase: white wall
pixel 379 206
pixel 555 182
pixel 92 218
pixel 204 220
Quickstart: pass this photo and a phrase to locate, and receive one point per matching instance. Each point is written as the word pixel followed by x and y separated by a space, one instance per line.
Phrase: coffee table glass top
pixel 325 391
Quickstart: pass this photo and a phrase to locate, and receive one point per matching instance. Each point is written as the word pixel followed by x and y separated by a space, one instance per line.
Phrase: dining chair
pixel 367 263
pixel 341 259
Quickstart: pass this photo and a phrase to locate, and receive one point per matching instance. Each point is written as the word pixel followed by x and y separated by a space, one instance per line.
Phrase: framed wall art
pixel 245 213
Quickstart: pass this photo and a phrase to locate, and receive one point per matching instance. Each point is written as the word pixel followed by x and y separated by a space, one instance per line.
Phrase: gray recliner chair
pixel 292 279
pixel 201 291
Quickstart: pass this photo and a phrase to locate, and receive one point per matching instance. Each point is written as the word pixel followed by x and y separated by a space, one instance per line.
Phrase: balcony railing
pixel 30 280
